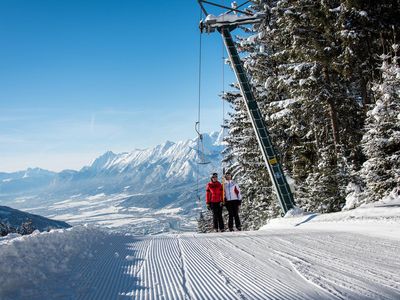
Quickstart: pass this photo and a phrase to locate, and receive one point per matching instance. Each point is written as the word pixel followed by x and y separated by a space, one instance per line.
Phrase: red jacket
pixel 214 192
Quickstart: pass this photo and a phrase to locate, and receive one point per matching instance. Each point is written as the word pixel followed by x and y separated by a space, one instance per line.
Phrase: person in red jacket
pixel 214 201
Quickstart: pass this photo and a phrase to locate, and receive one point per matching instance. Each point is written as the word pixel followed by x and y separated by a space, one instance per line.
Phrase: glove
pixel 208 206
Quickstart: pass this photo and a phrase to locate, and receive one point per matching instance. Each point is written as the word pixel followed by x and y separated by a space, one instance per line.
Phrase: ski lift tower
pixel 226 22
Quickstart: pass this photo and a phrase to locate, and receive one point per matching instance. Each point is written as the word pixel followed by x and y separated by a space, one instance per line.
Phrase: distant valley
pixel 143 191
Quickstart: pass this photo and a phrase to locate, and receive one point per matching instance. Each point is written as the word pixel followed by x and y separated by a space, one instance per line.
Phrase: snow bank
pixel 22 271
pixel 294 212
pixel 378 221
pixel 356 198
pixel 393 199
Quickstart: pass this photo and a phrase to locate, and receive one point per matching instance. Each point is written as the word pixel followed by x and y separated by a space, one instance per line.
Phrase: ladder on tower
pixel 284 194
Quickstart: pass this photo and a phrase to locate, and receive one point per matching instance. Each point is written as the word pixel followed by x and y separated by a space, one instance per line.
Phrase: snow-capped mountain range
pixel 161 177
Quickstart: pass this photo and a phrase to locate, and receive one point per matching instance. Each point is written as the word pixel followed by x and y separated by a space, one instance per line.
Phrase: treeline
pixel 24 229
pixel 327 79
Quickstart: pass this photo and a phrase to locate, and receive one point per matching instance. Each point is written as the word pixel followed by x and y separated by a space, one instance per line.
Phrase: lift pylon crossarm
pixel 211 22
pixel 225 25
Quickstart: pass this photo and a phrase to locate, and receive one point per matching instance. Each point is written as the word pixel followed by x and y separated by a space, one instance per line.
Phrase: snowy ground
pixel 350 255
pixel 107 211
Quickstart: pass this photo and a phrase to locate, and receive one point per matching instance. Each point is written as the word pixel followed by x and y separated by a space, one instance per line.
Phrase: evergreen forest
pixel 326 76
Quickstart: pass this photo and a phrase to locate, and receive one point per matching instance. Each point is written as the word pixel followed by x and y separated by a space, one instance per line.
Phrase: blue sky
pixel 78 78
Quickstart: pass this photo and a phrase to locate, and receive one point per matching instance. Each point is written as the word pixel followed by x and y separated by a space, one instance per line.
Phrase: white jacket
pixel 232 191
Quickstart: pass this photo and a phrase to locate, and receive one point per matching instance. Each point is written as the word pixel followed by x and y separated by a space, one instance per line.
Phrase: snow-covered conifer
pixel 311 64
pixel 6 228
pixel 3 229
pixel 381 142
pixel 26 228
pixel 204 222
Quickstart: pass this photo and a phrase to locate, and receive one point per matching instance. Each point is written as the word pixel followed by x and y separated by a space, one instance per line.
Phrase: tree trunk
pixel 363 91
pixel 332 112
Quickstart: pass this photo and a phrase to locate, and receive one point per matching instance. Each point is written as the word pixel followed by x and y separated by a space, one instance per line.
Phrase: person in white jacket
pixel 233 200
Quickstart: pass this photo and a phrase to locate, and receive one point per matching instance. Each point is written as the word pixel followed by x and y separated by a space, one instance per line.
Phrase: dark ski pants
pixel 217 215
pixel 233 209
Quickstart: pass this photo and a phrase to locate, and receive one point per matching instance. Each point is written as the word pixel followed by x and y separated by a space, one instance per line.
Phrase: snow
pixel 346 255
pixel 337 9
pixel 29 261
pixel 282 103
pixel 111 212
pixel 363 13
pixel 374 220
pixel 168 211
pixel 284 106
pixel 225 18
pixel 354 196
pixel 393 199
pixel 96 197
pixel 233 19
pixel 294 212
pixel 280 114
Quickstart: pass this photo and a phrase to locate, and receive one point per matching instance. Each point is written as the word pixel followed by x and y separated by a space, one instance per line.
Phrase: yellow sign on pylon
pixel 273 161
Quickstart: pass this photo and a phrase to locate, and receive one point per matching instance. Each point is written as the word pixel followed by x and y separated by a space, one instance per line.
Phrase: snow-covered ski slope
pixel 310 257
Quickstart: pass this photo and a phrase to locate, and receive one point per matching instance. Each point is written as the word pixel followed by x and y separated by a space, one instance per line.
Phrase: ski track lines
pixel 340 266
pixel 247 265
pixel 204 277
pixel 367 277
pixel 162 273
pixel 256 278
pixel 287 265
pixel 112 272
pixel 352 271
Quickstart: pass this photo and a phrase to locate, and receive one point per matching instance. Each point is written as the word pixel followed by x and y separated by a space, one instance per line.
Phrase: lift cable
pixel 223 110
pixel 198 117
pixel 200 143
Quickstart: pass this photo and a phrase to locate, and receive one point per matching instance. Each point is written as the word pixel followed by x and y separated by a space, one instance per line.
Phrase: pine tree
pixel 26 228
pixel 6 228
pixel 204 222
pixel 364 27
pixel 311 64
pixel 325 118
pixel 3 229
pixel 381 142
